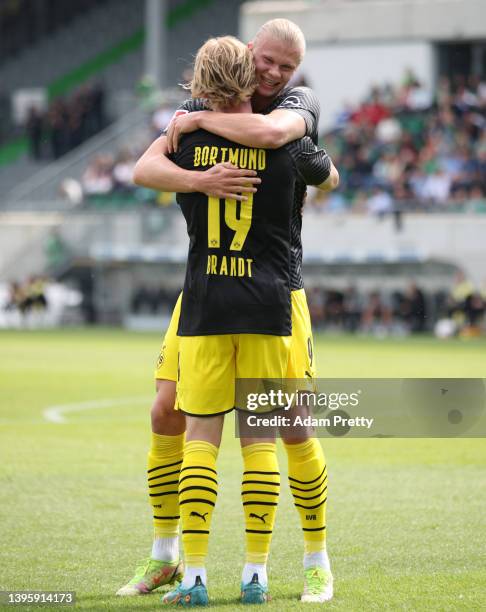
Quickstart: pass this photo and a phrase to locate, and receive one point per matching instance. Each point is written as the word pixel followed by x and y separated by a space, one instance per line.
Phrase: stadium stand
pixel 401 150
pixel 104 45
pixel 397 151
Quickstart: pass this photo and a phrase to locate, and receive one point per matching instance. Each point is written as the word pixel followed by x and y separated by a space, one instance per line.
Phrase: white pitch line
pixel 55 414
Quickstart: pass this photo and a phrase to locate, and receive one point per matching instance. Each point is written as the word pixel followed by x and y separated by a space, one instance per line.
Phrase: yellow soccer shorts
pixel 166 367
pixel 208 365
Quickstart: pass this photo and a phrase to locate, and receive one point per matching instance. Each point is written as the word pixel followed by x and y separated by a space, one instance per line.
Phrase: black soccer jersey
pixel 303 101
pixel 239 262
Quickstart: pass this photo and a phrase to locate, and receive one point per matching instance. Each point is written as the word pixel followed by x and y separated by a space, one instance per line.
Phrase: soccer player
pixel 278 49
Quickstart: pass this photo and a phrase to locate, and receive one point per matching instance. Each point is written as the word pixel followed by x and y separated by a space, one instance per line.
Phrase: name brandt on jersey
pixel 229 266
pixel 251 159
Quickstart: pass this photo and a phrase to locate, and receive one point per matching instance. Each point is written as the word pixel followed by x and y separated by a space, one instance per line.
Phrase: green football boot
pixel 150 575
pixel 318 585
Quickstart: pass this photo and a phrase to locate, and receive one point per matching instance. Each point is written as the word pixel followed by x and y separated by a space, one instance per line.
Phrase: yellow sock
pixel 308 484
pixel 198 489
pixel 163 466
pixel 259 490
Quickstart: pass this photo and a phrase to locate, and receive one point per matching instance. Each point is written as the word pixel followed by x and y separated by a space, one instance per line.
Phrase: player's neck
pixel 260 103
pixel 242 107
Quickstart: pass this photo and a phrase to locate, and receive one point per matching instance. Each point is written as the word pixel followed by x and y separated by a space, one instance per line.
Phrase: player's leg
pixel 260 490
pixel 205 392
pixel 259 357
pixel 307 466
pixel 164 461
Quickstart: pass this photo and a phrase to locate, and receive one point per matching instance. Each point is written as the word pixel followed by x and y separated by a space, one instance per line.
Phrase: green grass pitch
pixel 406 518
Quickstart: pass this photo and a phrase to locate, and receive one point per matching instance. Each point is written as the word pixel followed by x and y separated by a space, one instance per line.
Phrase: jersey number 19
pixel 239 224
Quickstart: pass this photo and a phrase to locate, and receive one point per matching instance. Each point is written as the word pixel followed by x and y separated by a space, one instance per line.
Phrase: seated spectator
pixel 476 202
pixel 380 203
pixel 413 309
pixel 123 172
pixel 377 314
pixel 97 178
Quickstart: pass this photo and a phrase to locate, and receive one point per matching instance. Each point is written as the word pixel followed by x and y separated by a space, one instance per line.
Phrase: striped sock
pixel 259 490
pixel 163 467
pixel 308 484
pixel 198 489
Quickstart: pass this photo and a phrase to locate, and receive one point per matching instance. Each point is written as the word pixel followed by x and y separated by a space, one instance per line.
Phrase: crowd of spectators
pixel 377 312
pixel 412 310
pixel 110 177
pixel 66 123
pixel 403 149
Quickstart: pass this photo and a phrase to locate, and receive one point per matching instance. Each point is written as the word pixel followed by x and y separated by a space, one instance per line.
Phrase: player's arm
pixel 156 171
pixel 251 130
pixel 314 165
pixel 332 181
pixel 297 115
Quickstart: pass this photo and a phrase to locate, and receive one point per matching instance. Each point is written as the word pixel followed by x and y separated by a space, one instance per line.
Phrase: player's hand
pixel 181 124
pixel 227 181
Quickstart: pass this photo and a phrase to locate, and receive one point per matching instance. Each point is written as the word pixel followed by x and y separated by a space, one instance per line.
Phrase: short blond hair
pixel 224 72
pixel 286 31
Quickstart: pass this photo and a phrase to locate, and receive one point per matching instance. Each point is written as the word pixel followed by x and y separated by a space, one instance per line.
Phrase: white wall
pixel 372 20
pixel 456 239
pixel 345 72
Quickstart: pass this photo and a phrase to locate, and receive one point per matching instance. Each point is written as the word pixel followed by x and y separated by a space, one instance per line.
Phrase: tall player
pixel 278 49
pixel 235 318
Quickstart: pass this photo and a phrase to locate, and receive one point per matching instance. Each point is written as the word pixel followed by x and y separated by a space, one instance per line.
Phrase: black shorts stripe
pixel 167 518
pixel 308 481
pixel 259 503
pixel 199 467
pixel 162 467
pixel 313 528
pixel 205 531
pixel 260 482
pixel 313 497
pixel 258 531
pixel 196 500
pixel 309 490
pixel 176 492
pixel 163 484
pixel 311 507
pixel 198 476
pixel 162 475
pixel 196 488
pixel 259 493
pixel 265 473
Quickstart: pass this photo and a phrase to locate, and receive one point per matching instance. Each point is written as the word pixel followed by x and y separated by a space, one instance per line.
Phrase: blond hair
pixel 286 31
pixel 224 72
